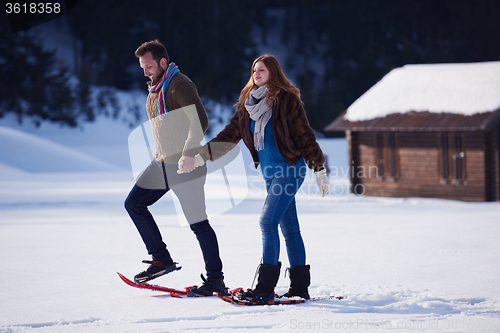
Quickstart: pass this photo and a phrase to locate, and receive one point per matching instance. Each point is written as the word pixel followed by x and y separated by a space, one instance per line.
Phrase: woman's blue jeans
pixel 280 209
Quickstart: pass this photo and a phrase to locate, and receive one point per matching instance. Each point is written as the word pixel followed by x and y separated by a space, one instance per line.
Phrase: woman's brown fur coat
pixel 294 137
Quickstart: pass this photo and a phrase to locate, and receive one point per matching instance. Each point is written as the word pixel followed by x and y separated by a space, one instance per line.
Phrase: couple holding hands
pixel 271 121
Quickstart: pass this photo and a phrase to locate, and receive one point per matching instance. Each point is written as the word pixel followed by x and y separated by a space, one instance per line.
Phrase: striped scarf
pixel 162 87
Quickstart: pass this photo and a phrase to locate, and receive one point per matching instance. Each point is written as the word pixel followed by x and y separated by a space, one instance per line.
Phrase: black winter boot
pixel 300 280
pixel 266 282
pixel 210 285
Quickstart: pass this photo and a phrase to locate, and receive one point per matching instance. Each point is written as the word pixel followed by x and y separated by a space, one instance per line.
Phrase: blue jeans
pixel 280 209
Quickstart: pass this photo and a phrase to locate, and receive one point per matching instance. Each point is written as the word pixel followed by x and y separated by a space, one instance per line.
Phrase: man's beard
pixel 159 76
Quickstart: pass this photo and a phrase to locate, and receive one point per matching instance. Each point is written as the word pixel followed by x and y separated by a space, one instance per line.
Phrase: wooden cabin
pixel 427 131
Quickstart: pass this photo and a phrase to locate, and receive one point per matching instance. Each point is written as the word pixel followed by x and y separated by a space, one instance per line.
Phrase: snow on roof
pixel 465 89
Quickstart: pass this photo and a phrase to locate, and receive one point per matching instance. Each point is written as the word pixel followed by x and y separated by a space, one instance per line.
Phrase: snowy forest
pixel 333 50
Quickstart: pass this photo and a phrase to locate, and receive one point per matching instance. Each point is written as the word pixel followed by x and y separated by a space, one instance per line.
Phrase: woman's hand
pixel 322 180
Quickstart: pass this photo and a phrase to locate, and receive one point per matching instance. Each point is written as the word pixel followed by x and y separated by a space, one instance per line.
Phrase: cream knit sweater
pixel 184 126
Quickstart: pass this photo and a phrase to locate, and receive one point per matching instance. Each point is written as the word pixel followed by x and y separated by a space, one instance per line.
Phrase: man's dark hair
pixel 157 49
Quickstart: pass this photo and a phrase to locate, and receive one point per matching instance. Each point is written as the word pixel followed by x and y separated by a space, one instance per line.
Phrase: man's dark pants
pixel 155 181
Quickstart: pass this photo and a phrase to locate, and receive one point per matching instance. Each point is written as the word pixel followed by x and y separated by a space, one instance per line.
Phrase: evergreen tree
pixel 32 85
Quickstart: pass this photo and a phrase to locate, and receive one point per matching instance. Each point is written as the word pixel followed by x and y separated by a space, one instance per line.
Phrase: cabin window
pixel 391 155
pixel 386 156
pixel 445 168
pixel 452 157
pixel 380 155
pixel 458 157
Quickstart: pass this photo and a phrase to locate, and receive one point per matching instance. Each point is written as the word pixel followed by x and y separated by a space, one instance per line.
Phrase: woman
pixel 271 120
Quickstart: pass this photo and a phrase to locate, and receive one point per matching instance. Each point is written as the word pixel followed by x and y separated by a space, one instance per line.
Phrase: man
pixel 178 121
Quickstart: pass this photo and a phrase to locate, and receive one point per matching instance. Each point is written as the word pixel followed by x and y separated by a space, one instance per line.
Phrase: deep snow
pixel 406 264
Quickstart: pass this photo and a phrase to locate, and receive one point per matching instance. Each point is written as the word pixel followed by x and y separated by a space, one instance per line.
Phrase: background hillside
pixel 333 50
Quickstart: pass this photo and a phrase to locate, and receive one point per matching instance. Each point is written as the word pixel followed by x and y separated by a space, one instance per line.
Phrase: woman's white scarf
pixel 260 112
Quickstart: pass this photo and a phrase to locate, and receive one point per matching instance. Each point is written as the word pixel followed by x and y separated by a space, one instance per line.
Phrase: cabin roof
pixel 435 97
pixel 420 122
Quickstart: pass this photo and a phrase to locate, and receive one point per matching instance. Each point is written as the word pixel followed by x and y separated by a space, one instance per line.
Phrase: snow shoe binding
pixel 156 269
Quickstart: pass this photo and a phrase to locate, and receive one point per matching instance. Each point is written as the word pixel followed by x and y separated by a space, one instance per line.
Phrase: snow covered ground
pixel 408 265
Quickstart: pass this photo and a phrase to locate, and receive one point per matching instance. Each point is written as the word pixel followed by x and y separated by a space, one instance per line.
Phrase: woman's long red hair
pixel 277 82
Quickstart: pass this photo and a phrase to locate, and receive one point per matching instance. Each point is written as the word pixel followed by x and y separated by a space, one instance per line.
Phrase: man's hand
pixel 187 164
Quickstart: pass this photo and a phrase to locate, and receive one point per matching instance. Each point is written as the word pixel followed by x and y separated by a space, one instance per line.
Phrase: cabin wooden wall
pixel 418 173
